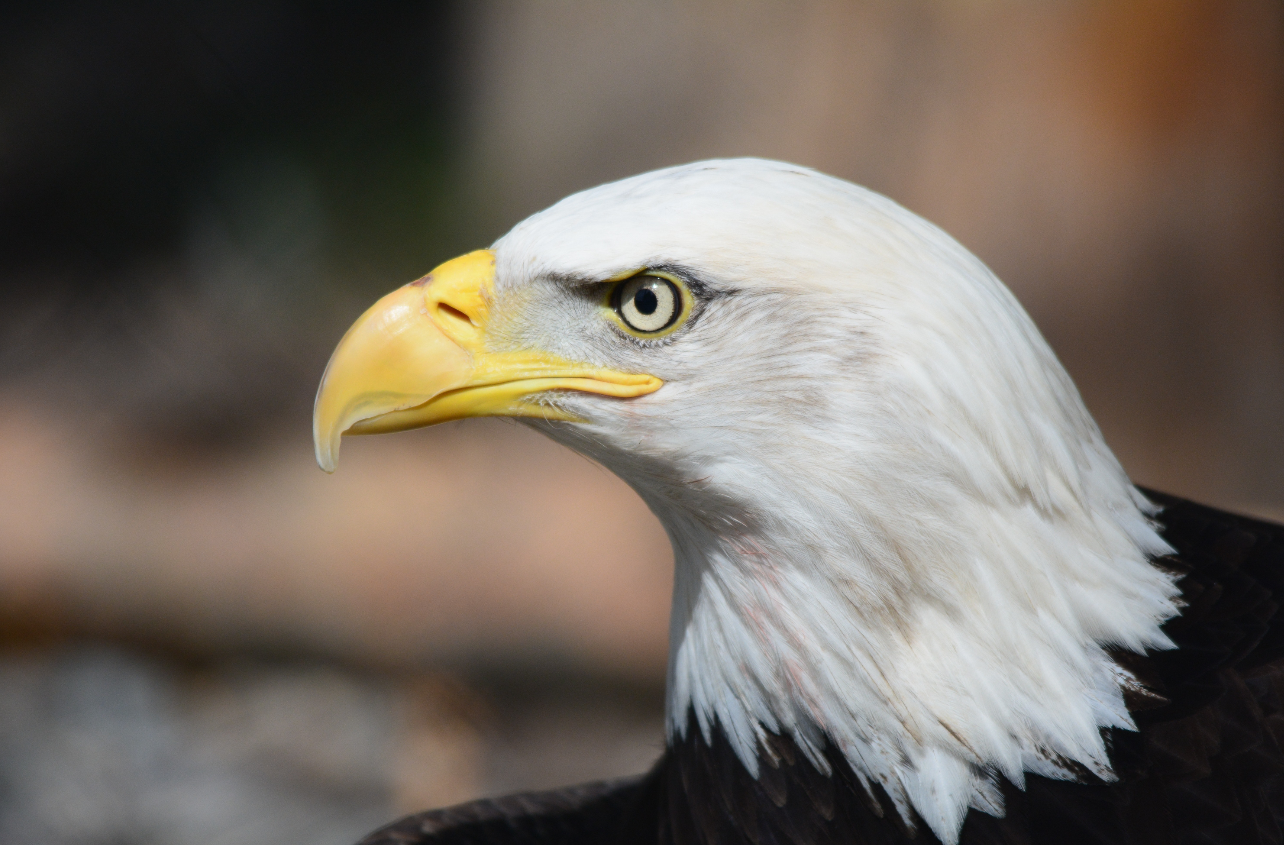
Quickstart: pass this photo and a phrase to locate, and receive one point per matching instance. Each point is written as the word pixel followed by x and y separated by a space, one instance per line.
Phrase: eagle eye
pixel 648 304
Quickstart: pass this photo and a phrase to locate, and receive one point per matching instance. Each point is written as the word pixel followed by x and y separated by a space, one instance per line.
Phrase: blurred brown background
pixel 205 639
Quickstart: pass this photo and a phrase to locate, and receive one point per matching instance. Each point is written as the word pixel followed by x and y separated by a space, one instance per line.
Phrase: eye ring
pixel 650 304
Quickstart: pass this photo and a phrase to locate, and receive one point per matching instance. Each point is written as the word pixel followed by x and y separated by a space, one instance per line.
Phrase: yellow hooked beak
pixel 418 357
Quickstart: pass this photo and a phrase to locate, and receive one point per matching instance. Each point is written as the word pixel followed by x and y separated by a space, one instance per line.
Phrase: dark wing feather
pixel 577 815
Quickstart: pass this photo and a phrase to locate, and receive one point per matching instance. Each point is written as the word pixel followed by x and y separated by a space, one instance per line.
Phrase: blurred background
pixel 203 639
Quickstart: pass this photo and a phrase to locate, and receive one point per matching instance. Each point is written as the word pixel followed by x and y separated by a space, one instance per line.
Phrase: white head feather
pixel 895 524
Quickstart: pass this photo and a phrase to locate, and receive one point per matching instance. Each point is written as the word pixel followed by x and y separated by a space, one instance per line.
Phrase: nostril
pixel 449 313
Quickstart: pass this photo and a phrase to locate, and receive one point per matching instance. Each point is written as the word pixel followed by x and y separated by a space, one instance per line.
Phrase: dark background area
pixel 121 120
pixel 145 145
pixel 205 639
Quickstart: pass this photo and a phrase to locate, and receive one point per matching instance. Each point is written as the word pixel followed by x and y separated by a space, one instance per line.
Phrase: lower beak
pixel 418 357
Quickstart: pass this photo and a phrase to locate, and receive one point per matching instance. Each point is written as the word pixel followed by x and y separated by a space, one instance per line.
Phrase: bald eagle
pixel 916 597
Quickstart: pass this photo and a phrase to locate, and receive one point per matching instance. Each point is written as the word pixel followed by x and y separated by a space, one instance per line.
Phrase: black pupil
pixel 646 301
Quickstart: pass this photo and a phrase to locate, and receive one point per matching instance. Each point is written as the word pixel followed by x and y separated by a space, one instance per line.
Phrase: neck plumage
pixel 899 532
pixel 939 645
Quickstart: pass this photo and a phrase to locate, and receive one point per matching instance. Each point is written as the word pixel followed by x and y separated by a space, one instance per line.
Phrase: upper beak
pixel 419 357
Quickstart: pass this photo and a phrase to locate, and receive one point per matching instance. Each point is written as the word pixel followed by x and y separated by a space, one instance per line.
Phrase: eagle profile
pixel 916 597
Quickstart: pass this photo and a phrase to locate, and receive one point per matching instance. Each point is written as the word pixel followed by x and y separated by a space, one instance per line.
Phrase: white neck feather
pixel 996 668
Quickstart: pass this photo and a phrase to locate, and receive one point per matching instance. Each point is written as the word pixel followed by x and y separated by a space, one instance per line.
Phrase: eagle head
pixel 897 530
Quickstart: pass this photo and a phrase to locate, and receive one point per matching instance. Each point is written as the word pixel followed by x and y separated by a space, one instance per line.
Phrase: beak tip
pixel 326 448
pixel 327 460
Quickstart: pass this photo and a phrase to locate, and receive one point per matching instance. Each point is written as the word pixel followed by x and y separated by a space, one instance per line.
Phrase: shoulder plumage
pixel 1206 764
pixel 576 815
